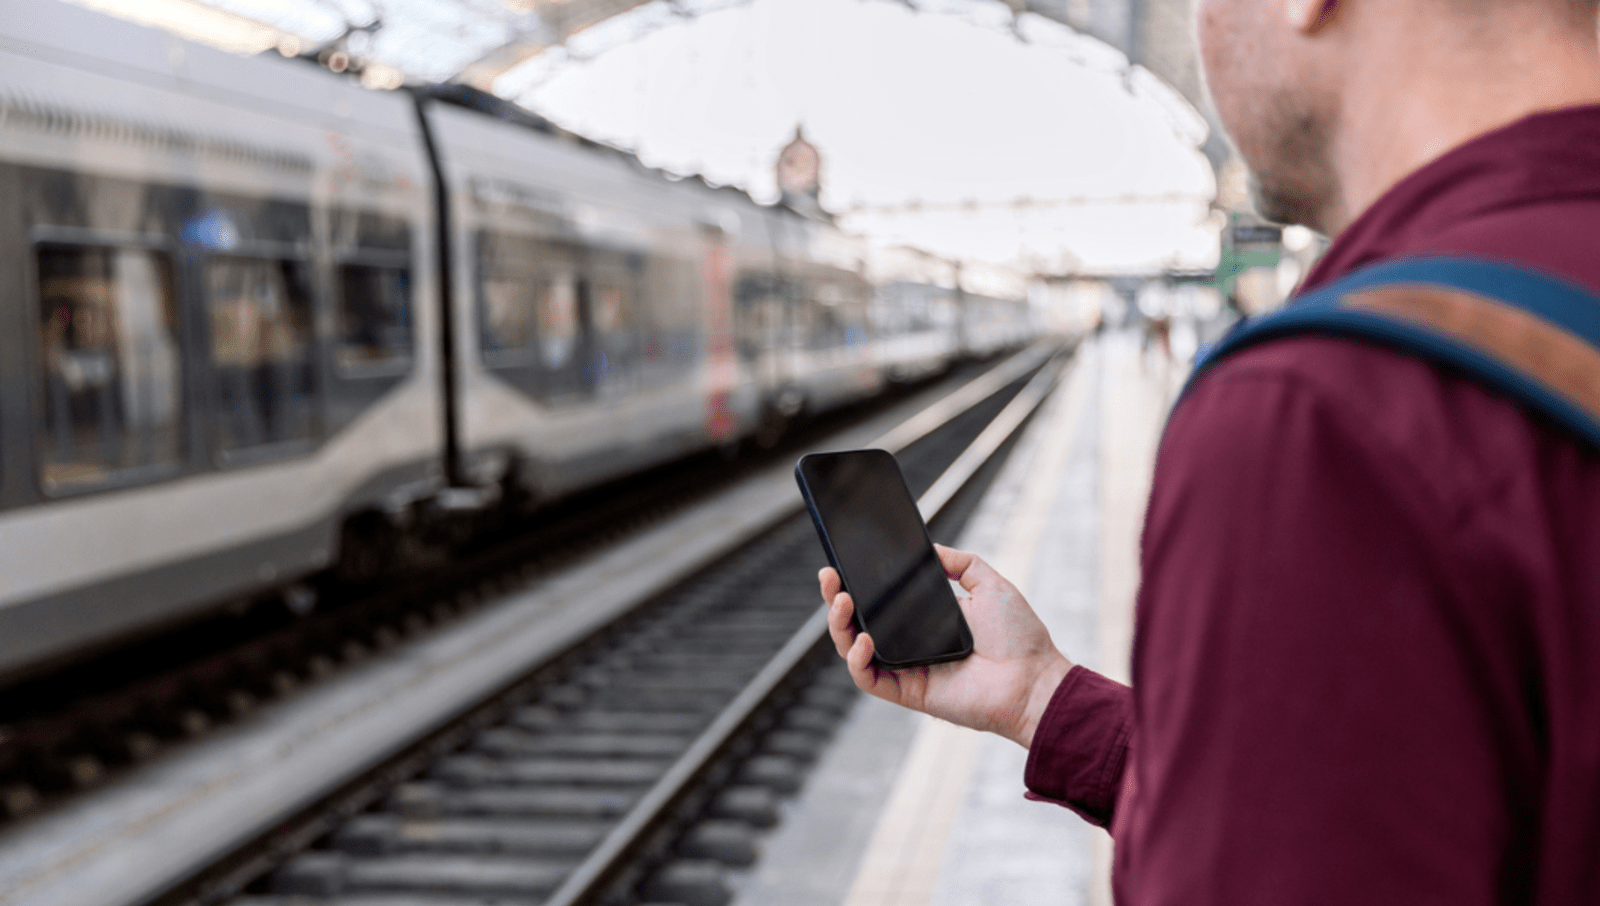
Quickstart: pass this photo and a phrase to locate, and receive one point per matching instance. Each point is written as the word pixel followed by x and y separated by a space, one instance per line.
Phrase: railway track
pixel 78 728
pixel 569 747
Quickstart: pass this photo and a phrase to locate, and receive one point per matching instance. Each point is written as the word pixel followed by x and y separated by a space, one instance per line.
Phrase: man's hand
pixel 1003 687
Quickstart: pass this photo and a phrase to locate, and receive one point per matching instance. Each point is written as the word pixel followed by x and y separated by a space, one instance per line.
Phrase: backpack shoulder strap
pixel 1529 335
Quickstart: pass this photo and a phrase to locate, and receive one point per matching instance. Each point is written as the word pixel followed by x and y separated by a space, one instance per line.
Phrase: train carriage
pixel 833 359
pixel 584 352
pixel 213 347
pixel 916 312
pixel 260 322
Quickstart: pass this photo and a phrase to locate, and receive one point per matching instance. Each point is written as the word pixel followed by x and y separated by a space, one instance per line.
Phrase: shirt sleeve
pixel 1081 745
pixel 1317 667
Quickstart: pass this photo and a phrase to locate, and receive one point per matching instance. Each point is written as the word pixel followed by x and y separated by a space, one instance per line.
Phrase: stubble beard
pixel 1294 182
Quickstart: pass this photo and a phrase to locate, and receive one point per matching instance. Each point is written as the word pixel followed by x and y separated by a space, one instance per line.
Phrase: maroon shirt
pixel 1367 659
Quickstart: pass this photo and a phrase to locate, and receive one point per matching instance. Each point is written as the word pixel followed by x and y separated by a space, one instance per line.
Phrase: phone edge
pixel 833 561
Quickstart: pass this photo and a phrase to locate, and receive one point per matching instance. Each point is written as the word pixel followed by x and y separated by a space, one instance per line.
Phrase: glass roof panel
pixel 966 132
pixel 313 20
pixel 432 40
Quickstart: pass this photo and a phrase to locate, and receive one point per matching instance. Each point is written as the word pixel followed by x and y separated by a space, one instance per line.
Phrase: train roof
pixel 64 34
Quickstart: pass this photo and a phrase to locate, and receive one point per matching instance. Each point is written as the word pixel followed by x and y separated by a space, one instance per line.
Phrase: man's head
pixel 1331 101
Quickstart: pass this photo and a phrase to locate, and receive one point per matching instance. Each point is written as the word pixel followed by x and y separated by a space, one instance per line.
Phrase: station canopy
pixel 971 128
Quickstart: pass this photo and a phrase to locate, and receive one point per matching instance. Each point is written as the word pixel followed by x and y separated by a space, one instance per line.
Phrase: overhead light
pixel 377 75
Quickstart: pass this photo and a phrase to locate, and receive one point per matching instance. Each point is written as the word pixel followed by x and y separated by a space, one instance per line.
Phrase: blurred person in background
pixel 1366 666
pixel 1158 333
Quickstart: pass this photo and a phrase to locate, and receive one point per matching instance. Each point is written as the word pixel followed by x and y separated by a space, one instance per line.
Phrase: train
pixel 262 323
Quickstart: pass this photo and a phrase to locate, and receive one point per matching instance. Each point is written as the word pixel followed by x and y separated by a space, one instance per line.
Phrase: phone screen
pixel 876 539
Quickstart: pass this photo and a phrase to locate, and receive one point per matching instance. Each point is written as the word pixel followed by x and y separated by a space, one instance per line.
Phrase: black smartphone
pixel 876 539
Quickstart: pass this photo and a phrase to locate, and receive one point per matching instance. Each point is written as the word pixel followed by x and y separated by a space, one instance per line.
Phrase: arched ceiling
pixel 516 47
pixel 1155 34
pixel 562 19
pixel 476 41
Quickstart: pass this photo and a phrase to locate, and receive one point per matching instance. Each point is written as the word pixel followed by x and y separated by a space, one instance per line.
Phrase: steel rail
pixel 616 852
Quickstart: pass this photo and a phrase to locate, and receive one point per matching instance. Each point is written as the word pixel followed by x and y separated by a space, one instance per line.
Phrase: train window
pixel 670 339
pixel 616 281
pixel 760 312
pixel 616 328
pixel 352 230
pixel 261 350
pixel 530 311
pixel 842 315
pixel 112 370
pixel 558 319
pixel 613 306
pixel 375 332
pixel 510 307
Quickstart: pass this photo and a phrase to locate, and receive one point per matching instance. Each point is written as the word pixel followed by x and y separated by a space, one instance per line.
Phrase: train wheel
pixel 369 547
pixel 770 431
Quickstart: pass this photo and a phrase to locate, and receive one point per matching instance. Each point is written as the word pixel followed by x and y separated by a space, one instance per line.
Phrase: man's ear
pixel 1308 16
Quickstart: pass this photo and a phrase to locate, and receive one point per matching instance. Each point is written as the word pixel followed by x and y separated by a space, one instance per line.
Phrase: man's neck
pixel 1413 100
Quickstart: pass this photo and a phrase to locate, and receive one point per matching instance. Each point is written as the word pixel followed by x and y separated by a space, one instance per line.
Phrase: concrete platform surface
pixel 905 810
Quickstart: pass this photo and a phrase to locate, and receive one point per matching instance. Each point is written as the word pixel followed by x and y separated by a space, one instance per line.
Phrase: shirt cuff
pixel 1081 745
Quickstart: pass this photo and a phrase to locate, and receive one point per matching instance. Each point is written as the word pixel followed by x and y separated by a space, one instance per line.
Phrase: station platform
pixel 906 810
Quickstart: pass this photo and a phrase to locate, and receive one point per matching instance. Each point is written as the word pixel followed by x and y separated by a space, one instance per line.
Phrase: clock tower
pixel 799 173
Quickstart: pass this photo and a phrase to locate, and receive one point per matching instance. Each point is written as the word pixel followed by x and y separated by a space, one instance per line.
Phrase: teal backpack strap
pixel 1531 336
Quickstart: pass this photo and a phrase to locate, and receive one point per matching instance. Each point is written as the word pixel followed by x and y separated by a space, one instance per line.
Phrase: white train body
pixel 114 139
pixel 223 364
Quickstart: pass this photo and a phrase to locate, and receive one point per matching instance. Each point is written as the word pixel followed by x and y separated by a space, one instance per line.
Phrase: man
pixel 1367 660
